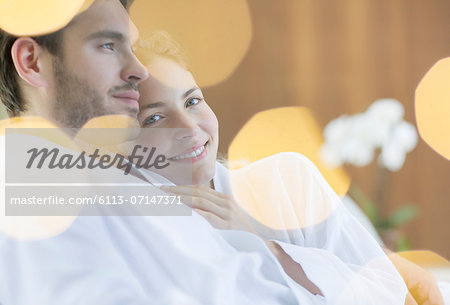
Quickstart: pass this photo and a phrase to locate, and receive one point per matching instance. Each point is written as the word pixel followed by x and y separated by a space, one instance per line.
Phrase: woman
pixel 283 198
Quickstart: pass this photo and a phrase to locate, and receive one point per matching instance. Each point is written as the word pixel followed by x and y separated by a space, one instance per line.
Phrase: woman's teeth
pixel 193 154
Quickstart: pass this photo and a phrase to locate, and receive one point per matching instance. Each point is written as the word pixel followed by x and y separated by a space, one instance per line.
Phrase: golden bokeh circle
pixel 214 34
pixel 285 129
pixel 26 228
pixel 38 17
pixel 432 107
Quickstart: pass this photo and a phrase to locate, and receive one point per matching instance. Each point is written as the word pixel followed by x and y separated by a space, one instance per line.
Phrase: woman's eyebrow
pixel 190 91
pixel 153 105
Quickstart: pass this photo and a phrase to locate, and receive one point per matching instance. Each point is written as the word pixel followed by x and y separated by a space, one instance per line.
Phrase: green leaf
pixel 402 244
pixel 402 215
pixel 384 224
pixel 365 203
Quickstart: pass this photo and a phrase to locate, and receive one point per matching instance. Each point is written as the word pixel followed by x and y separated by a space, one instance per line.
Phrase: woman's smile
pixel 196 153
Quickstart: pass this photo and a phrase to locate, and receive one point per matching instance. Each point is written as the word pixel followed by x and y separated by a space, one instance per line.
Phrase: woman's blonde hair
pixel 160 43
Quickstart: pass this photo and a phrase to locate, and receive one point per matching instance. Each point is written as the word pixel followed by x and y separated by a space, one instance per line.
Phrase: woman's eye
pixel 151 120
pixel 108 46
pixel 193 101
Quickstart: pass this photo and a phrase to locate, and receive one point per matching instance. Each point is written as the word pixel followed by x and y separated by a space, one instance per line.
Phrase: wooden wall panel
pixel 338 57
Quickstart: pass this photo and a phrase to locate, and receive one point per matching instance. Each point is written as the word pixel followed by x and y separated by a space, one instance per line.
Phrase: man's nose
pixel 134 70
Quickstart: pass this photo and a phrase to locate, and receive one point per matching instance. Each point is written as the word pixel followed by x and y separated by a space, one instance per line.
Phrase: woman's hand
pixel 221 210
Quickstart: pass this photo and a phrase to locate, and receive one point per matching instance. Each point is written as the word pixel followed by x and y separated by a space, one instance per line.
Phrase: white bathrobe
pixel 184 260
pixel 287 200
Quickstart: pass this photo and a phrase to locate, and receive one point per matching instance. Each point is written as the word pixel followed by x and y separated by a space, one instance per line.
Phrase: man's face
pixel 96 72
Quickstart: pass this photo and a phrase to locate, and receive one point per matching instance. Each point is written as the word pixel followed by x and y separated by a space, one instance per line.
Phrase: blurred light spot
pixel 432 105
pixel 36 126
pixel 28 228
pixel 37 17
pixel 31 227
pixel 280 130
pixel 282 192
pixel 109 134
pixel 425 258
pixel 214 34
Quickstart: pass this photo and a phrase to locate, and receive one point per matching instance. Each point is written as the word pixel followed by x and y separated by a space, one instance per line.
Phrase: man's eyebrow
pixel 186 94
pixel 153 105
pixel 106 34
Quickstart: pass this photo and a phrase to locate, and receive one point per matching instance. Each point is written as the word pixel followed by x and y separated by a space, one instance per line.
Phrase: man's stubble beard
pixel 76 101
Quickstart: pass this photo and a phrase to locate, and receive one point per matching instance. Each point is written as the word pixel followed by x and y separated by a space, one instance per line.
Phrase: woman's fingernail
pixel 165 187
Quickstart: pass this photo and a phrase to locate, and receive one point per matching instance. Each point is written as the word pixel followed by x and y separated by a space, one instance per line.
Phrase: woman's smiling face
pixel 178 122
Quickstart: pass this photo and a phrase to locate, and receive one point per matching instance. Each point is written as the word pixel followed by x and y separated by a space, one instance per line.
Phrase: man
pixel 86 70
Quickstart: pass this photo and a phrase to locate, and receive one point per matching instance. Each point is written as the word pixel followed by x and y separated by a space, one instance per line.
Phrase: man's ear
pixel 31 61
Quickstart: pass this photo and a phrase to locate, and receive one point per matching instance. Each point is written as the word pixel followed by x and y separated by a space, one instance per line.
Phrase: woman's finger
pixel 203 204
pixel 199 191
pixel 215 203
pixel 213 219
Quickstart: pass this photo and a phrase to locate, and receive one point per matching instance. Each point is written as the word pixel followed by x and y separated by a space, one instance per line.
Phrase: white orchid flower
pixel 406 135
pixel 354 139
pixel 331 155
pixel 392 156
pixel 386 110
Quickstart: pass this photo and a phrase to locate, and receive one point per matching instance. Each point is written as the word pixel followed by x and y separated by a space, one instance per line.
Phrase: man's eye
pixel 151 120
pixel 193 101
pixel 108 46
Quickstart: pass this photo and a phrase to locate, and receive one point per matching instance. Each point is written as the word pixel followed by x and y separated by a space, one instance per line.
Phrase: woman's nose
pixel 186 127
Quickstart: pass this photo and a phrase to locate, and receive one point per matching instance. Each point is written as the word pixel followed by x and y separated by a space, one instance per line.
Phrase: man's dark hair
pixel 126 3
pixel 10 94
